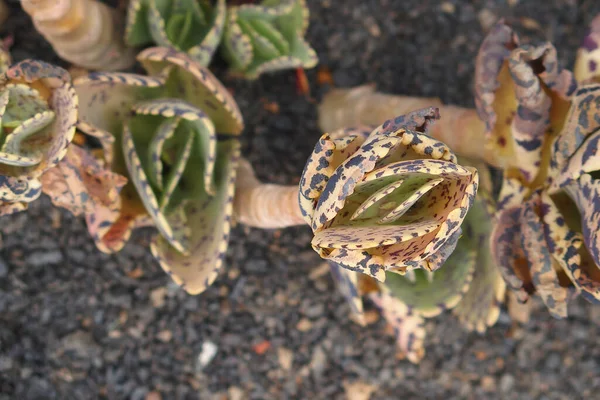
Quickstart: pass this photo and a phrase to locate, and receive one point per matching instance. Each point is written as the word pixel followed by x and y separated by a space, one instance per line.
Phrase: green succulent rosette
pixel 267 37
pixel 191 26
pixel 173 135
pixel 38 112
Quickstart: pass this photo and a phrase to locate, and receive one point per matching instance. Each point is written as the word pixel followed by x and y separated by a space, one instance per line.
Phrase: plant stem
pixel 84 32
pixel 460 128
pixel 263 205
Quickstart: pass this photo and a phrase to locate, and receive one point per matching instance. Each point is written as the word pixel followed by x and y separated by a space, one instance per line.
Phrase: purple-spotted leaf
pixel 408 326
pixel 522 95
pixel 267 37
pixel 38 111
pixel 389 200
pixel 587 63
pixel 82 185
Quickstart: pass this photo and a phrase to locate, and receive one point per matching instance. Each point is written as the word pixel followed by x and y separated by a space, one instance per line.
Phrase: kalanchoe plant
pixel 543 126
pixel 38 111
pixel 587 64
pixel 267 37
pixel 181 175
pixel 192 26
pixel 469 283
pixel 391 199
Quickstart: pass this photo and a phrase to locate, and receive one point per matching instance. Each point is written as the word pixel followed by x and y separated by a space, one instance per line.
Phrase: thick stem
pixel 262 205
pixel 85 32
pixel 459 128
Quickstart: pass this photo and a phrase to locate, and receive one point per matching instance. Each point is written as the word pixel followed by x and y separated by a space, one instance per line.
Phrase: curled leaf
pixel 387 201
pixel 267 37
pixel 191 26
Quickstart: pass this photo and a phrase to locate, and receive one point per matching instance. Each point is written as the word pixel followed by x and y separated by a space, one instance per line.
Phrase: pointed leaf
pixel 209 220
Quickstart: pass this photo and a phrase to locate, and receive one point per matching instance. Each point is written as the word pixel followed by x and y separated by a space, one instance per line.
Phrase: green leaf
pixel 443 291
pixel 209 221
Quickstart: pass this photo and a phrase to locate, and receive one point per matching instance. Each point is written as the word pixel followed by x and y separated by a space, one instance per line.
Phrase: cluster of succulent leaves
pixel 157 135
pixel 38 111
pixel 256 38
pixel 401 222
pixel 545 125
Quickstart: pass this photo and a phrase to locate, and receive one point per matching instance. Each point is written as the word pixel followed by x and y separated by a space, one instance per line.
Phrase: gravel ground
pixel 79 324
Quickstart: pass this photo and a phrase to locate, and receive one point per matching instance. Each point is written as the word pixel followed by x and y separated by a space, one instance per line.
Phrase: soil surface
pixel 79 324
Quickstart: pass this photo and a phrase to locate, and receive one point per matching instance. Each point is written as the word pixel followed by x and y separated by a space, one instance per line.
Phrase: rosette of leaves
pixel 267 37
pixel 192 26
pixel 38 111
pixel 587 63
pixel 390 199
pixel 537 119
pixel 173 135
pixel 469 283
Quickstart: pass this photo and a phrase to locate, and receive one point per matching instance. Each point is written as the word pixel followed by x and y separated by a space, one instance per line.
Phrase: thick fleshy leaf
pixel 203 128
pixel 193 83
pixel 327 155
pixel 430 296
pixel 267 37
pixel 541 263
pixel 81 185
pixel 347 283
pixel 144 190
pixel 480 305
pixel 581 121
pixel 137 31
pixel 522 97
pixel 41 108
pixel 209 220
pixel 587 63
pixel 19 190
pixel 569 252
pixel 11 208
pixel 106 98
pixel 409 327
pixel 204 51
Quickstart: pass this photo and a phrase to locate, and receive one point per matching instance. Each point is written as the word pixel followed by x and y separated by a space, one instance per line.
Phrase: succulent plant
pixel 469 283
pixel 38 111
pixel 83 185
pixel 541 124
pixel 391 199
pixel 181 175
pixel 85 32
pixel 587 63
pixel 192 26
pixel 267 37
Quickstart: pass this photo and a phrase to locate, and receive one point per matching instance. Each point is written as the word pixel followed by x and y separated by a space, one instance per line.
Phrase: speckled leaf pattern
pixel 521 94
pixel 209 218
pixel 587 63
pixel 430 296
pixel 38 111
pixel 387 200
pixel 480 305
pixel 196 85
pixel 409 327
pixel 82 185
pixel 347 283
pixel 192 26
pixel 267 37
pixel 165 141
